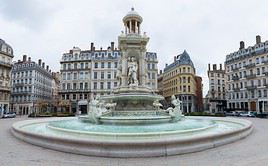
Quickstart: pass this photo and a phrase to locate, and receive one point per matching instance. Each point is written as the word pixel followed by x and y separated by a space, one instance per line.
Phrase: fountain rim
pixel 247 125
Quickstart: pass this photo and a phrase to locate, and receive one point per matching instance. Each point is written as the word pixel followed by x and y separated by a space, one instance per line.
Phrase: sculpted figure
pixel 132 71
pixel 157 104
pixel 119 74
pixel 175 112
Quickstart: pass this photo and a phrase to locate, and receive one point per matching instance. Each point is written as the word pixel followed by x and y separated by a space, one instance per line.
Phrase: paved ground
pixel 252 151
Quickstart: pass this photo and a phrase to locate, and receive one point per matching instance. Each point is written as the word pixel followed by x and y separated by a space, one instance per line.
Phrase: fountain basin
pixel 132 141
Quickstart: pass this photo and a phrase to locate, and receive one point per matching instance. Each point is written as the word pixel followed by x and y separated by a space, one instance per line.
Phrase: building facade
pixel 217 91
pixel 88 73
pixel 247 77
pixel 6 55
pixel 199 94
pixel 55 91
pixel 179 80
pixel 31 87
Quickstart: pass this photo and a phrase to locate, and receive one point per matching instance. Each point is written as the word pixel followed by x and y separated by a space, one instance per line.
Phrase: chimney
pixel 214 67
pixel 174 58
pixel 112 46
pixel 24 58
pixel 47 67
pixel 242 45
pixel 166 64
pixel 29 59
pixel 220 66
pixel 101 48
pixel 39 62
pixel 43 65
pixel 91 46
pixel 161 71
pixel 50 70
pixel 258 39
pixel 208 67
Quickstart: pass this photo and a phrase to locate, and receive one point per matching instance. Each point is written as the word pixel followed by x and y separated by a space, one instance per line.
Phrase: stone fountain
pixel 131 122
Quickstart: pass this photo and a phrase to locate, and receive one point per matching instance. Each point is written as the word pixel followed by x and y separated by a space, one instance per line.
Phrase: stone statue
pixel 175 112
pixel 157 104
pixel 119 74
pixel 132 71
pixel 97 109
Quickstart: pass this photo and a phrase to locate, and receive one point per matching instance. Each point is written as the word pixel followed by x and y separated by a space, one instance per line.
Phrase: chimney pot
pixel 214 67
pixel 175 58
pixel 208 67
pixel 220 66
pixel 39 62
pixel 112 45
pixel 24 58
pixel 47 67
pixel 91 46
pixel 242 45
pixel 43 65
pixel 258 39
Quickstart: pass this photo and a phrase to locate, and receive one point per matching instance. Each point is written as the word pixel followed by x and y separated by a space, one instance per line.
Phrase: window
pixel 115 84
pixel 148 66
pixel 75 76
pixel 109 75
pixel 258 71
pixel 184 88
pixel 81 76
pixel 81 85
pixel 153 66
pixel 96 65
pixel 81 65
pixel 189 79
pixel 95 75
pixel 74 86
pixel 102 64
pixel 108 85
pixel 189 89
pixel 86 85
pixel 74 96
pixel 86 65
pixel 101 85
pixel 115 64
pixel 95 85
pixel 75 66
pixel 153 75
pixel 68 76
pixel 109 64
pixel 102 75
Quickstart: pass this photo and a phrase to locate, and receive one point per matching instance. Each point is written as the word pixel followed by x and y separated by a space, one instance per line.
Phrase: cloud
pixel 33 14
pixel 207 29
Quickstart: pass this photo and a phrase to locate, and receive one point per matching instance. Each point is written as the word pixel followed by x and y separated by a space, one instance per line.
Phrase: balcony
pixel 5 88
pixel 5 64
pixel 236 69
pixel 251 87
pixel 266 85
pixel 18 84
pixel 250 65
pixel 74 90
pixel 251 76
pixel 235 78
pixel 22 92
pixel 236 89
pixel 265 73
pixel 265 62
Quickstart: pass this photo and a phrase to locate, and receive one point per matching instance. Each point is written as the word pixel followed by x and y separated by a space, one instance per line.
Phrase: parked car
pixel 232 113
pixel 9 115
pixel 247 114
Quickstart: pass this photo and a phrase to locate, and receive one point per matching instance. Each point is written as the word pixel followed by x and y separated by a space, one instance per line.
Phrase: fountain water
pixel 131 122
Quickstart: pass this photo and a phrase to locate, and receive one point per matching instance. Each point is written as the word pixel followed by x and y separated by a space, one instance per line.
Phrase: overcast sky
pixel 207 29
